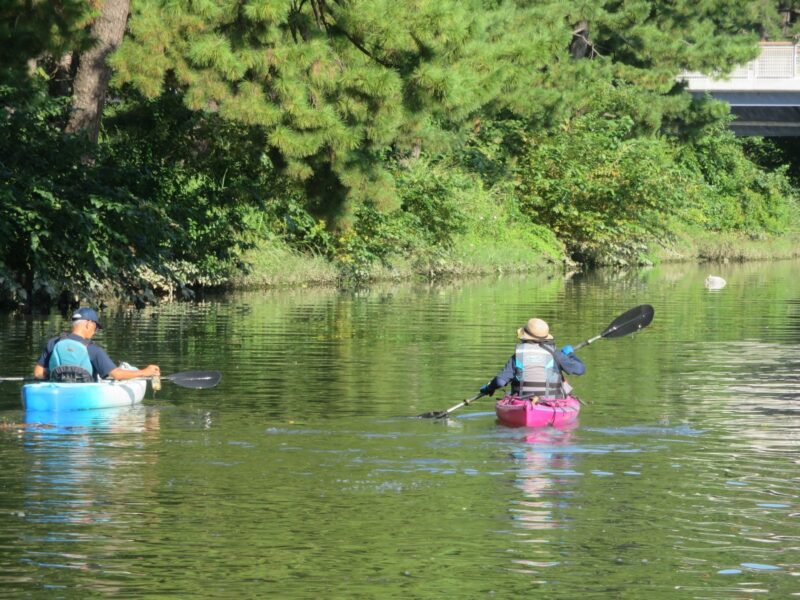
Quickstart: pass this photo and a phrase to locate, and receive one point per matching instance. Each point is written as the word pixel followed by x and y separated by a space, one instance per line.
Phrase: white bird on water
pixel 714 282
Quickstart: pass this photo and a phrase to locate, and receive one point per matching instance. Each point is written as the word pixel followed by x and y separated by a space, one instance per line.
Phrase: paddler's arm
pixel 39 372
pixel 120 374
pixel 105 367
pixel 501 379
pixel 568 362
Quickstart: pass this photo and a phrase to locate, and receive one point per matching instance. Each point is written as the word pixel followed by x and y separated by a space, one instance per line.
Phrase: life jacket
pixel 69 361
pixel 536 372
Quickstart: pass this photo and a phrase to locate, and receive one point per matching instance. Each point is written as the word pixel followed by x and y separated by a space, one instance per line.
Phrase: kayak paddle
pixel 197 380
pixel 631 321
pixel 440 414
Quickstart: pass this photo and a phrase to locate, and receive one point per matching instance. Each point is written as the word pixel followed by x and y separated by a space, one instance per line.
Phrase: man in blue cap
pixel 72 357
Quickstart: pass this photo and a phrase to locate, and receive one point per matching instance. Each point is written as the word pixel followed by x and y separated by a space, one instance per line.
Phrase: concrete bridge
pixel 764 94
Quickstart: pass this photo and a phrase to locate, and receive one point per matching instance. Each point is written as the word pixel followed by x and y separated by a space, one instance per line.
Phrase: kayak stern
pixel 518 412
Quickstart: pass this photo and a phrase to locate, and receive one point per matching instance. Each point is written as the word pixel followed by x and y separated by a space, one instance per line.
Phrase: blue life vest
pixel 536 372
pixel 70 362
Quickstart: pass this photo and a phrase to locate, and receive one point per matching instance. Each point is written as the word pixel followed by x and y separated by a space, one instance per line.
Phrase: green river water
pixel 305 475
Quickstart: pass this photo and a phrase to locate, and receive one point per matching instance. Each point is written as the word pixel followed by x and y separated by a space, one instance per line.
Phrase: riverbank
pixel 493 237
pixel 708 246
pixel 272 264
pixel 276 265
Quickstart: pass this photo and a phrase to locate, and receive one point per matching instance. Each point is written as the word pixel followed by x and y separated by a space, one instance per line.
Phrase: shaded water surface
pixel 304 475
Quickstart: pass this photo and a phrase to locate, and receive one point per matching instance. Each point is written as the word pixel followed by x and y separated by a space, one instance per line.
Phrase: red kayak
pixel 516 412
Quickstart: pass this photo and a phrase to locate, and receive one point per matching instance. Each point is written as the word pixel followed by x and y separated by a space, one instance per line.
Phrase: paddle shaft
pixel 445 413
pixel 198 380
pixel 440 414
pixel 587 342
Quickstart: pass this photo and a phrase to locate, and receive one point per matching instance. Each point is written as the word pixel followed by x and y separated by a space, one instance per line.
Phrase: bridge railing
pixel 776 68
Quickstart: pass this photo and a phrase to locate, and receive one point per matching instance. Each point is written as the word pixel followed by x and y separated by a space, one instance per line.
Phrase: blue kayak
pixel 121 419
pixel 52 397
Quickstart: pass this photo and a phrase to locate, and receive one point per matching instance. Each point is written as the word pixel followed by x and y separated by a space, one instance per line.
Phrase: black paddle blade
pixel 440 414
pixel 630 322
pixel 437 414
pixel 196 380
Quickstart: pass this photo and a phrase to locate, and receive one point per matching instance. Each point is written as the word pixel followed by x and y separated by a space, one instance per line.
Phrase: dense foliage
pixel 114 219
pixel 334 84
pixel 609 191
pixel 370 132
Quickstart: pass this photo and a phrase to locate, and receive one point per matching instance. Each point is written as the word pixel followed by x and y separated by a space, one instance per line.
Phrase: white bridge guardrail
pixel 775 70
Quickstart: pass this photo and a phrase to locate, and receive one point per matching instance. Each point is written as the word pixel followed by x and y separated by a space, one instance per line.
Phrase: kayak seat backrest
pixel 71 374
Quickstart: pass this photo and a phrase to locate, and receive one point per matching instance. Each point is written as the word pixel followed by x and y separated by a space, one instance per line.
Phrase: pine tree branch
pixel 318 17
pixel 360 46
pixel 331 28
pixel 588 43
pixel 296 8
pixel 580 41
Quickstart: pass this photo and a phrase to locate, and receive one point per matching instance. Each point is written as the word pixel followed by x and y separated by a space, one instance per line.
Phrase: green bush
pixel 604 193
pixel 737 193
pixel 116 218
pixel 608 185
pixel 430 193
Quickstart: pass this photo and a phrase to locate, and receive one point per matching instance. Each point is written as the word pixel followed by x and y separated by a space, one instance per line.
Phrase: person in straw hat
pixel 535 369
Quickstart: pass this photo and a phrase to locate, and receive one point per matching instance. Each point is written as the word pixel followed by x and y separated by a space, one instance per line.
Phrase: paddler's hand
pixel 151 370
pixel 488 389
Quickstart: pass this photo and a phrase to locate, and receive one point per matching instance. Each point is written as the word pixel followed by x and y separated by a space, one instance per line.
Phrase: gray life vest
pixel 536 372
pixel 69 362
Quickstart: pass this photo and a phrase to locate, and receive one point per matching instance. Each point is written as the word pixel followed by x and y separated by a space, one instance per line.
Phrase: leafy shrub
pixel 430 193
pixel 114 218
pixel 608 185
pixel 603 193
pixel 737 193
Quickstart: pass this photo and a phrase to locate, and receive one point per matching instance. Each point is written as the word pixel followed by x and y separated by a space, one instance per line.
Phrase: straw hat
pixel 535 330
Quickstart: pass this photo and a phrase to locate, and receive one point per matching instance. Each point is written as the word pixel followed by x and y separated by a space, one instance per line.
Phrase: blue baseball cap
pixel 86 314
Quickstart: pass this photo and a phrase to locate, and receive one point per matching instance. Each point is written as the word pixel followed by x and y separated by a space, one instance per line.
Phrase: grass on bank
pixel 499 239
pixel 272 263
pixel 495 249
pixel 707 246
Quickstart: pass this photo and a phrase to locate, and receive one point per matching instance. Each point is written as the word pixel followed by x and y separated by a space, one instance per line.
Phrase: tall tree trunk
pixel 787 18
pixel 63 74
pixel 579 46
pixel 91 79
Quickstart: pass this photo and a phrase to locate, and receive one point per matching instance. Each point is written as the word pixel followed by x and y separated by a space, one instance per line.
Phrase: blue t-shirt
pixel 101 362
